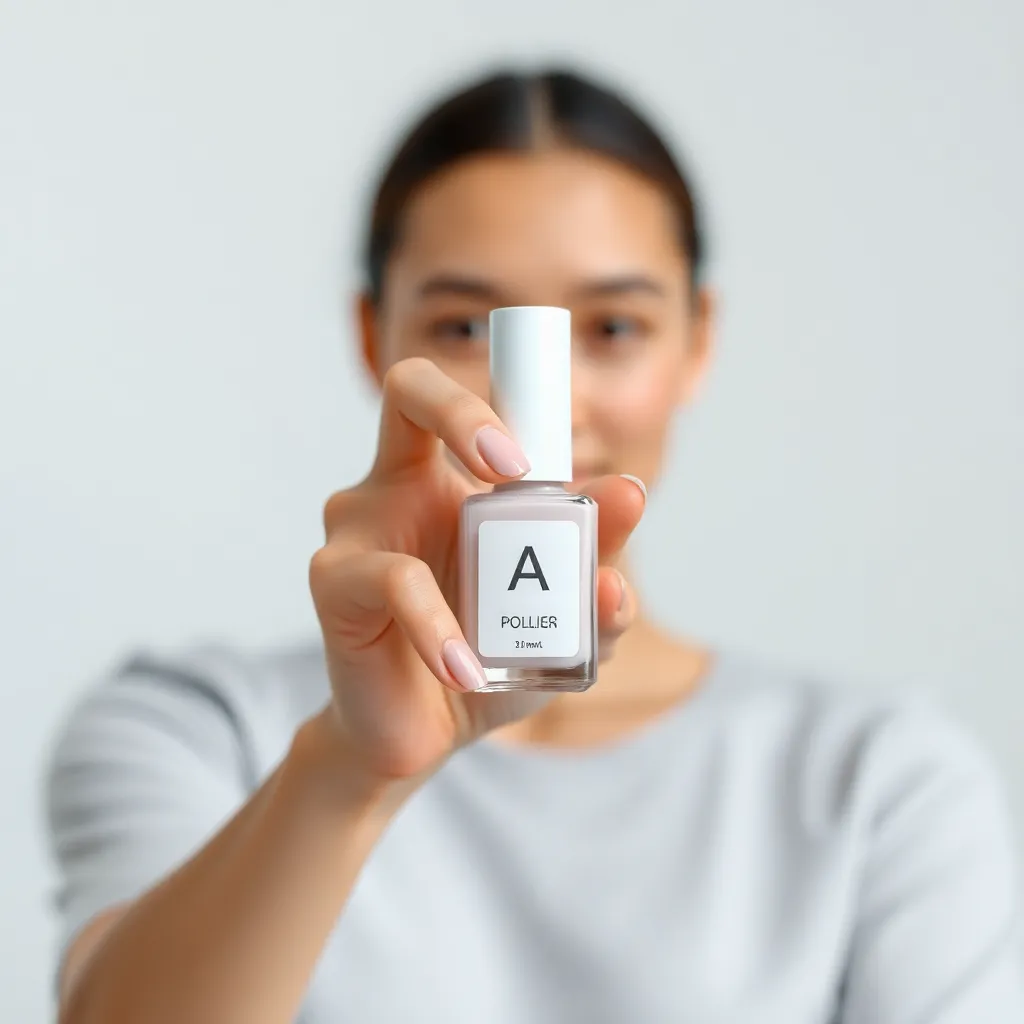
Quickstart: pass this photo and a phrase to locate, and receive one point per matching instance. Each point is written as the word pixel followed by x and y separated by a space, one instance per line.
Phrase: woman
pixel 348 832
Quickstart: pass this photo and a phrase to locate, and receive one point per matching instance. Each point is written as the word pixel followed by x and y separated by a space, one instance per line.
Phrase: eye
pixel 460 329
pixel 617 328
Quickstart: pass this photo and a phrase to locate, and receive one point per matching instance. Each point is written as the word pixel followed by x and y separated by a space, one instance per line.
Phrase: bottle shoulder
pixel 540 501
pixel 516 494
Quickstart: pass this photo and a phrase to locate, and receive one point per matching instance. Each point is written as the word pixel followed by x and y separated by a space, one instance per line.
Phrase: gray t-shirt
pixel 773 850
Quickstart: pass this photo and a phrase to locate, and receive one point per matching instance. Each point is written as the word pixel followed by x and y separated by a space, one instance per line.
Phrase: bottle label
pixel 528 589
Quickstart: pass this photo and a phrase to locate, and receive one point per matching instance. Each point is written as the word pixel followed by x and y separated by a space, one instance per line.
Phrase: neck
pixel 649 664
pixel 649 672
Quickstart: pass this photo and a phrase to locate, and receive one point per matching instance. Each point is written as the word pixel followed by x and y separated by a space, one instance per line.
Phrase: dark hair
pixel 518 113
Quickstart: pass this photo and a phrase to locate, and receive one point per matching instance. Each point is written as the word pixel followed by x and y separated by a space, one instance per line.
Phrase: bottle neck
pixel 531 486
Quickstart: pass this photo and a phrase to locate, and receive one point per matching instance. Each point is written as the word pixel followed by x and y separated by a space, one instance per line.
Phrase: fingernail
pixel 622 587
pixel 636 480
pixel 501 453
pixel 462 664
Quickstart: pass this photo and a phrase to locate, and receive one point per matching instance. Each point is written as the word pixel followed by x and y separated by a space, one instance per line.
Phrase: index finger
pixel 423 404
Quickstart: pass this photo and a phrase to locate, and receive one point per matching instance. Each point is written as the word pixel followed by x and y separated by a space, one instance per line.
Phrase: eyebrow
pixel 459 284
pixel 480 288
pixel 620 285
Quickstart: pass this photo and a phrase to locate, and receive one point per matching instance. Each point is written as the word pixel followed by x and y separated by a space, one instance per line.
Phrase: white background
pixel 180 190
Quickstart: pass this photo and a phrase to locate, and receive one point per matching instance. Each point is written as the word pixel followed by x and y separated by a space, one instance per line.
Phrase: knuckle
pixel 339 509
pixel 399 376
pixel 465 406
pixel 323 569
pixel 406 574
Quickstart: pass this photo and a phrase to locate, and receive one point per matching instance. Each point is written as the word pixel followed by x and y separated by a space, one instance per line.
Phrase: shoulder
pixel 154 756
pixel 212 700
pixel 907 810
pixel 856 755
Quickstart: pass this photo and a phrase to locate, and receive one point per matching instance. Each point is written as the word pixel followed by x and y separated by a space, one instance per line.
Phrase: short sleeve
pixel 937 936
pixel 146 769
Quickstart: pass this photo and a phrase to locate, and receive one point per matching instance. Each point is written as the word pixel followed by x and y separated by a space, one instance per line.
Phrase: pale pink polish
pixel 622 589
pixel 501 453
pixel 638 482
pixel 462 664
pixel 528 549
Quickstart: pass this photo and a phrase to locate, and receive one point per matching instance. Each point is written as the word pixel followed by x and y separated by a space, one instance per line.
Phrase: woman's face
pixel 561 228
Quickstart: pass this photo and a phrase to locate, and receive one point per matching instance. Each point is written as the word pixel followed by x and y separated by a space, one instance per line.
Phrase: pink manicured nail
pixel 636 480
pixel 622 590
pixel 462 664
pixel 501 453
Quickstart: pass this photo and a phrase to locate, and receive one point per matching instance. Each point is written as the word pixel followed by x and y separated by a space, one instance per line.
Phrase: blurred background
pixel 181 187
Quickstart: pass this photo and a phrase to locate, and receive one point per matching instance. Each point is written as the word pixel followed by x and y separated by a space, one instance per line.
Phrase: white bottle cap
pixel 531 386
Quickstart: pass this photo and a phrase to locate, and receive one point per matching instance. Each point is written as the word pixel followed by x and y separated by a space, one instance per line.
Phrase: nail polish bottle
pixel 528 549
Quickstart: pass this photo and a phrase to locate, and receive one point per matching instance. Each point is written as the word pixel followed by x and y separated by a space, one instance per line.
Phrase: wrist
pixel 331 770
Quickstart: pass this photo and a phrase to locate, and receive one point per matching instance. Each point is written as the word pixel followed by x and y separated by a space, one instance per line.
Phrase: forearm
pixel 234 934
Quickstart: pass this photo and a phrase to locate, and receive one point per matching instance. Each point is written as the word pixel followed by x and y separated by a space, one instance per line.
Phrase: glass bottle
pixel 528 549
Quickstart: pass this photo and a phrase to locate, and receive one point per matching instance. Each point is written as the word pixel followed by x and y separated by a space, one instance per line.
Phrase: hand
pixel 384 583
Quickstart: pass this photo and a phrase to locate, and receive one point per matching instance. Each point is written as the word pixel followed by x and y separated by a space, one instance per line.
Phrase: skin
pixel 557 228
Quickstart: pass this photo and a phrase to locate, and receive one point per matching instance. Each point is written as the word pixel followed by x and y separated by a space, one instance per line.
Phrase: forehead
pixel 533 220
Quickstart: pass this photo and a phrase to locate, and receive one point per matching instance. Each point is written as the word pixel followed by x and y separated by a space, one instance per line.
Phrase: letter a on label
pixel 537 574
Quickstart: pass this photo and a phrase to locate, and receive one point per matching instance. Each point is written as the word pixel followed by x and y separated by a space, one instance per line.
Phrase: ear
pixel 369 337
pixel 702 343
